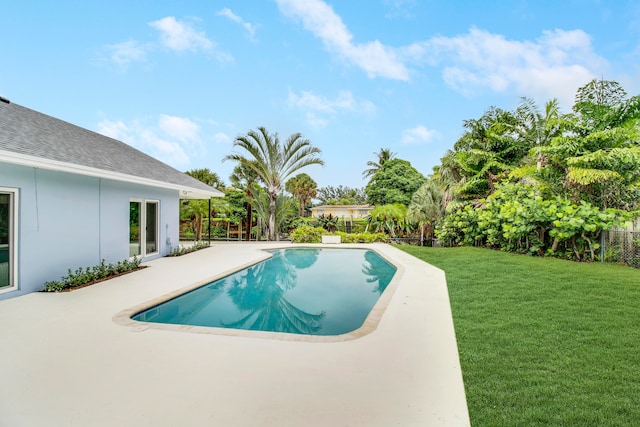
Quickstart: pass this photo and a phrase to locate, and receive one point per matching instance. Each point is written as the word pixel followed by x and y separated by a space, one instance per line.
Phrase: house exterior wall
pixel 70 221
pixel 339 211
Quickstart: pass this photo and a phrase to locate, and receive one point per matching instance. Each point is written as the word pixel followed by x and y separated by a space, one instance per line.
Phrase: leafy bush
pixel 516 218
pixel 307 234
pixel 84 276
pixel 183 250
pixel 362 237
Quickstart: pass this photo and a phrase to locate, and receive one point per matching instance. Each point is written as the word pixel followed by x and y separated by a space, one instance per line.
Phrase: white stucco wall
pixel 70 221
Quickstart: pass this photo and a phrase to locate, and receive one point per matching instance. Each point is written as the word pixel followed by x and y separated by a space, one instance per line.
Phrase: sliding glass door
pixel 143 227
pixel 7 238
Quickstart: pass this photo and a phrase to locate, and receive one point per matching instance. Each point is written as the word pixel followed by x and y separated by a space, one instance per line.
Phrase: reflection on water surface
pixel 300 290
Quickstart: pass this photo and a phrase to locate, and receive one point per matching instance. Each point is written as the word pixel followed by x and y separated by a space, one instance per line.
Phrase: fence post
pixel 602 240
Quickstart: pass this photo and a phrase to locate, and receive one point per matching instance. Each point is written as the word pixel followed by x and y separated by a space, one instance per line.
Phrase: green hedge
pixel 308 234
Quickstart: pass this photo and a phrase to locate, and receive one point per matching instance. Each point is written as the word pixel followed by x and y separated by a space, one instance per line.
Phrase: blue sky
pixel 180 80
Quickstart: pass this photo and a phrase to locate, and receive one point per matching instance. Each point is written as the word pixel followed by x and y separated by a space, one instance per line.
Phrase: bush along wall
pixel 93 274
pixel 517 218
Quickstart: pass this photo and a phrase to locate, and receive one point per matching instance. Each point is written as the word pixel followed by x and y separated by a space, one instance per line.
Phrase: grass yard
pixel 544 341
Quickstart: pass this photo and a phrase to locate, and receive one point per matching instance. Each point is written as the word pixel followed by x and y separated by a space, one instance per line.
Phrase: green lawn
pixel 544 341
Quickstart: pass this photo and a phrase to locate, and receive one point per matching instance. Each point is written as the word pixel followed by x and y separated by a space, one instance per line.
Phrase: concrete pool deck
pixel 67 359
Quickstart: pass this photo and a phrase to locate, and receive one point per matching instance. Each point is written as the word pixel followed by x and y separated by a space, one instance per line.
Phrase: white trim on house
pixel 55 165
pixel 13 240
pixel 142 228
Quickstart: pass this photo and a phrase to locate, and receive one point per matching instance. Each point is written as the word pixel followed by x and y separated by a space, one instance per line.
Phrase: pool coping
pixel 124 317
pixel 64 361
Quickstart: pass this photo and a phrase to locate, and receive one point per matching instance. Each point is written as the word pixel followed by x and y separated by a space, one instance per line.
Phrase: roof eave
pixel 186 192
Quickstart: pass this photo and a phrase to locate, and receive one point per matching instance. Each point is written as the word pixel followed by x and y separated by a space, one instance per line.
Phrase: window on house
pixel 143 227
pixel 8 210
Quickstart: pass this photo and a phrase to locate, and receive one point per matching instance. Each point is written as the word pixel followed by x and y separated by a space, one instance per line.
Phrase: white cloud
pixel 125 53
pixel 249 27
pixel 222 138
pixel 179 128
pixel 319 108
pixel 171 140
pixel 400 8
pixel 418 135
pixel 181 36
pixel 376 59
pixel 554 65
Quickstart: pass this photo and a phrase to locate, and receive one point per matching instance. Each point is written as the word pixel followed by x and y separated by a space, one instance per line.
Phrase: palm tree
pixel 303 187
pixel 541 128
pixel 194 211
pixel 285 207
pixel 387 218
pixel 448 176
pixel 427 207
pixel 274 162
pixel 244 177
pixel 384 155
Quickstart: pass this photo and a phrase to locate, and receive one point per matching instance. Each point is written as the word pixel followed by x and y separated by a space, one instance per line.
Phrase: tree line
pixel 532 179
pixel 540 181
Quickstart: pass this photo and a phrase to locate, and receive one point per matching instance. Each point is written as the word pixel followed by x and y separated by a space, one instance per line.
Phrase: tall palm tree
pixel 274 162
pixel 384 155
pixel 286 207
pixel 304 188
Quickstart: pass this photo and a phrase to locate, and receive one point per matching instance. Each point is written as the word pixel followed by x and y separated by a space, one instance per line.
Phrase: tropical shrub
pixel 390 219
pixel 183 250
pixel 307 234
pixel 84 276
pixel 365 237
pixel 517 218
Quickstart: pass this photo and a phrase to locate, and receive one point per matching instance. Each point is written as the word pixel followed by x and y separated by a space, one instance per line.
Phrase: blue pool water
pixel 300 290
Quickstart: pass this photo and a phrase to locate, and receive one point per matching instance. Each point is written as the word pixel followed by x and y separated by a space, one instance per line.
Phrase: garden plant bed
pixel 93 282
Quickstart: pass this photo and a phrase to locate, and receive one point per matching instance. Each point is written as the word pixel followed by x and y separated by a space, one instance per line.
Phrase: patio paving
pixel 72 359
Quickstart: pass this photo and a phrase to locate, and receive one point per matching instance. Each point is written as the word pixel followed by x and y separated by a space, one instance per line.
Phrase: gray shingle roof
pixel 28 132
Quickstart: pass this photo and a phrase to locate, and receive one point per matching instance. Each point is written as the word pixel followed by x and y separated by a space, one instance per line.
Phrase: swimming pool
pixel 310 291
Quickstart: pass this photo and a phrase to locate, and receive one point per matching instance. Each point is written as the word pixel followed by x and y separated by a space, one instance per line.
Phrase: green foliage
pixel 328 222
pixel 307 234
pixel 364 237
pixel 517 218
pixel 573 175
pixel 208 177
pixel 341 195
pixel 82 276
pixel 183 250
pixel 274 162
pixel 285 209
pixel 383 156
pixel 390 219
pixel 303 188
pixel 395 182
